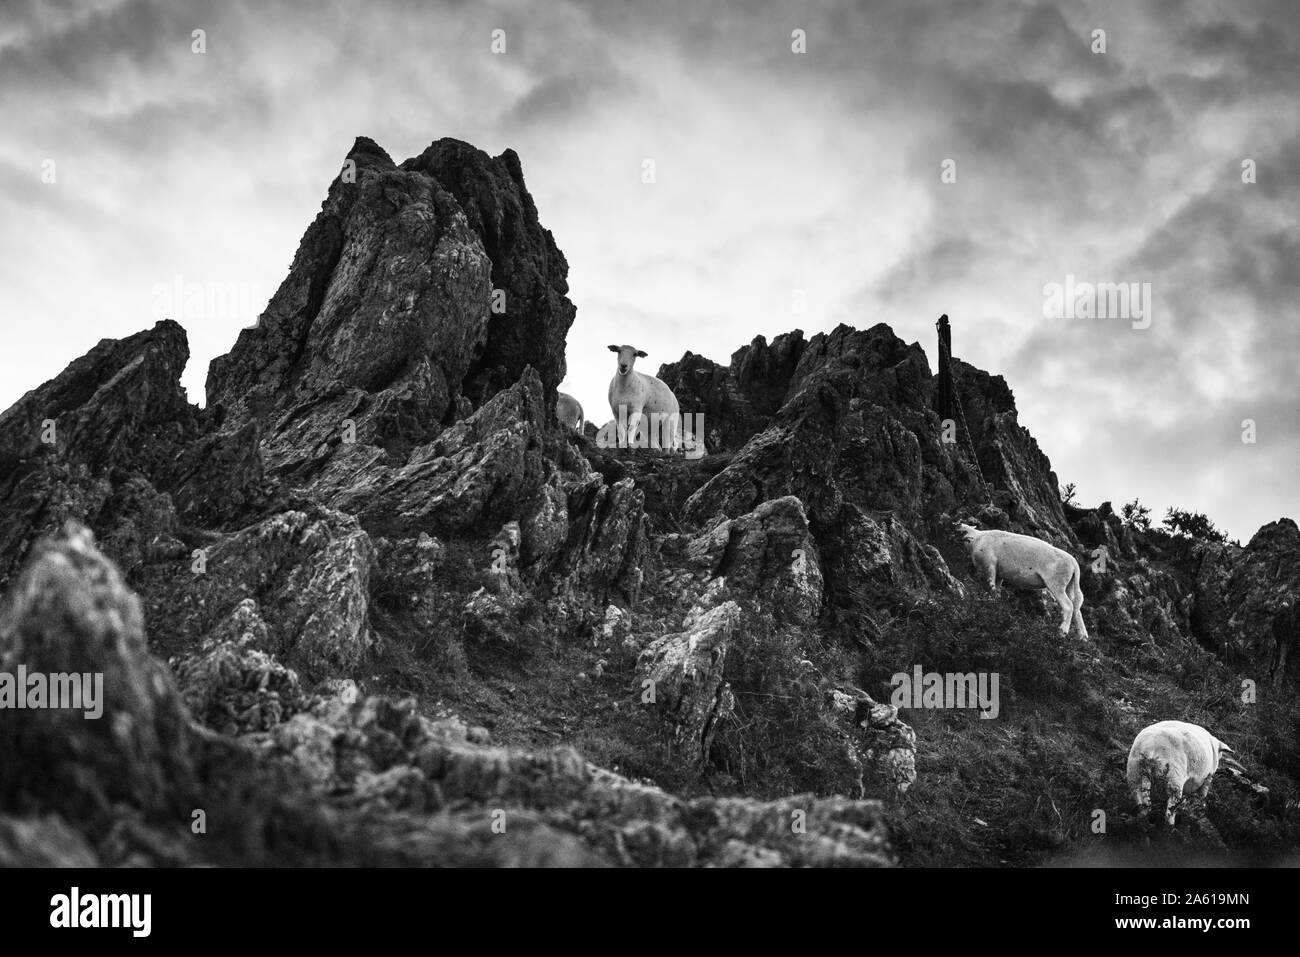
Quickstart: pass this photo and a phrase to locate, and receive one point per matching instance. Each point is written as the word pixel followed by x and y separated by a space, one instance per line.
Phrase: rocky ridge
pixel 374 543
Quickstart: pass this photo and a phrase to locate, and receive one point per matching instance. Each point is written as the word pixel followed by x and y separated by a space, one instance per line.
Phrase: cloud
pixel 778 173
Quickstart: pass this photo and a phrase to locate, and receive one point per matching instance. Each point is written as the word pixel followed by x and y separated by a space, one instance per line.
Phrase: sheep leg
pixel 1141 793
pixel 1076 598
pixel 633 425
pixel 1171 809
pixel 656 430
pixel 1067 606
pixel 1175 797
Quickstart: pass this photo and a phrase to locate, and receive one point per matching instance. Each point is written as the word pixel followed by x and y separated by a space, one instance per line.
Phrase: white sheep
pixel 636 394
pixel 1025 562
pixel 1184 756
pixel 569 411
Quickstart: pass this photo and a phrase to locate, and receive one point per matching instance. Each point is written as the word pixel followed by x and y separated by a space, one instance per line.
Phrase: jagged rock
pixel 382 400
pixel 854 427
pixel 690 693
pixel 408 570
pixel 368 338
pixel 768 553
pixel 606 552
pixel 1100 528
pixel 495 613
pixel 823 451
pixel 666 481
pixel 1013 465
pixel 386 323
pixel 307 574
pixel 736 401
pixel 1247 603
pixel 231 686
pixel 527 267
pixel 798 831
pixel 475 475
pixel 384 755
pixel 885 742
pixel 546 524
pixel 119 405
pixel 116 411
pixel 616 627
pixel 69 612
pixel 881 556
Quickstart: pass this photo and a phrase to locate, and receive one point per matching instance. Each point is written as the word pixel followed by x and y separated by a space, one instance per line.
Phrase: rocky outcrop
pixel 376 527
pixel 71 622
pixel 295 586
pixel 504 806
pixel 855 438
pixel 682 676
pixel 738 400
pixel 768 554
pixel 369 336
pixel 117 409
pixel 532 312
pixel 886 744
pixel 388 315
pixel 1247 604
pixel 400 788
pixel 232 686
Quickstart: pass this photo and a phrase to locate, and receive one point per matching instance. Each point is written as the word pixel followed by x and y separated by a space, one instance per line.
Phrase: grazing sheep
pixel 1184 756
pixel 569 411
pixel 636 394
pixel 1025 562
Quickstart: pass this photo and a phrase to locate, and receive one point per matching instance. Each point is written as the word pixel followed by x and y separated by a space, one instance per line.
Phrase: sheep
pixel 1025 562
pixel 569 411
pixel 1184 756
pixel 636 393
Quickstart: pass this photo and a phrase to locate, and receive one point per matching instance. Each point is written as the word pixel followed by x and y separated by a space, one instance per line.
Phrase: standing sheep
pixel 636 394
pixel 1025 562
pixel 1184 756
pixel 569 411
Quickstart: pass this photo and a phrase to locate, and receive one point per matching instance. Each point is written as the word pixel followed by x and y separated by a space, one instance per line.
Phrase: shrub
pixel 1192 525
pixel 1136 516
pixel 783 738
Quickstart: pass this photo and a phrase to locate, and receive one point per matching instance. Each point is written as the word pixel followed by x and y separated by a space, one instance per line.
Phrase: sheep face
pixel 1224 757
pixel 627 356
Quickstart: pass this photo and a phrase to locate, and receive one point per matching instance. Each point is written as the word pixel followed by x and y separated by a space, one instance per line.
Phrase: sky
pixel 814 163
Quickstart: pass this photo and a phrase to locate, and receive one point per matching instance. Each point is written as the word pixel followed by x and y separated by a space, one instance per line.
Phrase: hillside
pixel 373 605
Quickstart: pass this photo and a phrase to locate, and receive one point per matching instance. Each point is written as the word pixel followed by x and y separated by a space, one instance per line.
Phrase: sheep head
pixel 1223 757
pixel 967 532
pixel 627 356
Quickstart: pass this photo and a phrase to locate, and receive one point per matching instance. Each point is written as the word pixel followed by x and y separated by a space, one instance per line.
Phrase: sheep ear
pixel 613 348
pixel 640 354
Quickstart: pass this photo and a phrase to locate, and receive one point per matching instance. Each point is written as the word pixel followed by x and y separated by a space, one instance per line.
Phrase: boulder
pixel 71 614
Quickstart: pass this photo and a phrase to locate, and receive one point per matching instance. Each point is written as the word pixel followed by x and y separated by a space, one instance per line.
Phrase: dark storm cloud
pixel 140 35
pixel 817 173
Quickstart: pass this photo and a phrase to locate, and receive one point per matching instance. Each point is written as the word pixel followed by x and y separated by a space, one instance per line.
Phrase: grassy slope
pixel 1022 789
